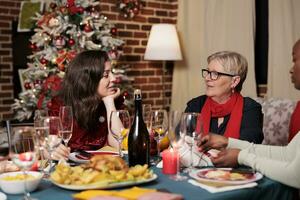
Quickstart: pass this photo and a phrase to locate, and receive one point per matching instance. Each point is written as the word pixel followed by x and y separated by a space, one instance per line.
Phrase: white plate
pixel 74 155
pixel 105 185
pixel 249 177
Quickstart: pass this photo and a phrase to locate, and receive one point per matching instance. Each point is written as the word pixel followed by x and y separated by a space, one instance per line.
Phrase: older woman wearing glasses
pixel 223 109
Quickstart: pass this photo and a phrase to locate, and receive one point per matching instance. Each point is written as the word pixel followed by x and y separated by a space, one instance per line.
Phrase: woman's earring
pixel 232 90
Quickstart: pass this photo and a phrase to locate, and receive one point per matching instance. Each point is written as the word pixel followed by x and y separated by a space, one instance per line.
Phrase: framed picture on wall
pixel 27 11
pixel 22 78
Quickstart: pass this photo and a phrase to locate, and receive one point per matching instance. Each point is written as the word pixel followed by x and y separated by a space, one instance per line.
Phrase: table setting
pixel 179 172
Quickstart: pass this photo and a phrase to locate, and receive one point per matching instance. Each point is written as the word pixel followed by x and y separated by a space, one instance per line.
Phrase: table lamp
pixel 163 45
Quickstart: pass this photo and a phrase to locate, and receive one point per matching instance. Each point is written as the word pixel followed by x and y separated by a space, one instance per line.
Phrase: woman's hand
pixel 61 152
pixel 113 94
pixel 212 141
pixel 226 158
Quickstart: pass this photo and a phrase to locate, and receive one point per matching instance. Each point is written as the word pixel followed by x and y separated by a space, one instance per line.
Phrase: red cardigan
pixel 295 122
pixel 82 139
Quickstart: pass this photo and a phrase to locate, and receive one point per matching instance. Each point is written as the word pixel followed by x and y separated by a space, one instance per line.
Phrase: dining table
pixel 266 189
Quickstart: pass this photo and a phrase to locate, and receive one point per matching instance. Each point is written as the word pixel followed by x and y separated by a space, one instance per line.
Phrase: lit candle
pixel 170 161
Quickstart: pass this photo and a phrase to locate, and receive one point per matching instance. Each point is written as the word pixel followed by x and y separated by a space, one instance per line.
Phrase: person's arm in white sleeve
pixel 286 172
pixel 283 153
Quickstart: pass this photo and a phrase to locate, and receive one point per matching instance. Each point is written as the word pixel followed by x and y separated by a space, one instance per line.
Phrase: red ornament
pixel 27 85
pixel 61 67
pixel 87 28
pixel 80 9
pixel 43 61
pixel 125 94
pixel 71 42
pixel 38 82
pixel 113 31
pixel 33 46
pixel 49 104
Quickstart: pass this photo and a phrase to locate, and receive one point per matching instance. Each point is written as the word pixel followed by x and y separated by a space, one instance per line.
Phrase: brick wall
pixel 147 75
pixel 9 10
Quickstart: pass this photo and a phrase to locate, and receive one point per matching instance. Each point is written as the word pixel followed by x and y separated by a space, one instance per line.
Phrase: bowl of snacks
pixel 14 182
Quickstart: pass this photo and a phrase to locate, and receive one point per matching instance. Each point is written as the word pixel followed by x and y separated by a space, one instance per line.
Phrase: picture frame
pixel 27 11
pixel 22 78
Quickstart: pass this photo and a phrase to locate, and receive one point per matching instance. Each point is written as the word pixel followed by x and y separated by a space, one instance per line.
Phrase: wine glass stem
pixel 158 149
pixel 26 193
pixel 120 149
pixel 191 157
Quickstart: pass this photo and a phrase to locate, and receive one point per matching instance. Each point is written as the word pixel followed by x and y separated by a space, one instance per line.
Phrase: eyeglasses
pixel 214 75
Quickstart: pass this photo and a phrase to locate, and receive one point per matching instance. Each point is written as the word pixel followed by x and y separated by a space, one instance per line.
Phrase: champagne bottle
pixel 138 138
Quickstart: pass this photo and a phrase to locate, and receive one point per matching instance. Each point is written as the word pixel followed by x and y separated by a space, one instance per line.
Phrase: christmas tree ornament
pixel 71 42
pixel 33 46
pixel 87 28
pixel 59 42
pixel 113 31
pixel 43 61
pixel 27 85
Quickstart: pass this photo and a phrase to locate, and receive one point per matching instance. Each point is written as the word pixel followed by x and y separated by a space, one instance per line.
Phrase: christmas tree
pixel 61 32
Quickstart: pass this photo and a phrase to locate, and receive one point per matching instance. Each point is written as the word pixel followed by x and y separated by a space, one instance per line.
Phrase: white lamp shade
pixel 163 43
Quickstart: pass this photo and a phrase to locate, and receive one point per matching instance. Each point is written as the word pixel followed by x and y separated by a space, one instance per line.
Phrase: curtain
pixel 284 31
pixel 205 27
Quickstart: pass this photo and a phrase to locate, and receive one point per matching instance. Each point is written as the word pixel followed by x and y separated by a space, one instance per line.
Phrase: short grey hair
pixel 233 63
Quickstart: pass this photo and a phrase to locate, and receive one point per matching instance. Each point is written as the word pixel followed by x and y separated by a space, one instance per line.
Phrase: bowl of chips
pixel 14 182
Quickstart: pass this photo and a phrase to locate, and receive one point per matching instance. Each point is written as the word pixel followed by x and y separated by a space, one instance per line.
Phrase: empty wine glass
pixel 24 153
pixel 147 108
pixel 50 135
pixel 38 115
pixel 66 117
pixel 119 124
pixel 159 124
pixel 176 139
pixel 191 127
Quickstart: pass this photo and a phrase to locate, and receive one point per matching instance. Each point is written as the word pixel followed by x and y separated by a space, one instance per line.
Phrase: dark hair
pixel 80 84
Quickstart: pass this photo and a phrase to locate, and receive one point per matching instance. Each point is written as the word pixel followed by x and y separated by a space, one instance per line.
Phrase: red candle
pixel 170 161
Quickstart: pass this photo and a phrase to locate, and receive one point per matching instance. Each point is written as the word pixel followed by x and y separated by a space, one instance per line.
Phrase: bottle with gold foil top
pixel 138 138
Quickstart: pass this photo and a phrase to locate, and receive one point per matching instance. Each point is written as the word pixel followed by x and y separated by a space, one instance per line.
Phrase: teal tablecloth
pixel 266 189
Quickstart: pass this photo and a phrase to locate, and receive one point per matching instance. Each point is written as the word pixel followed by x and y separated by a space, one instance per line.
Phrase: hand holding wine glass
pixel 119 124
pixel 66 117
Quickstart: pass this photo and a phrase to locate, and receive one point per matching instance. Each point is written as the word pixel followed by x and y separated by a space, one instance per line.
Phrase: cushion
pixel 277 113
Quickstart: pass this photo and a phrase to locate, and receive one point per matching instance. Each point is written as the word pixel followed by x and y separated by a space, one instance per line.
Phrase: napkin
pixel 216 189
pixel 199 158
pixel 132 193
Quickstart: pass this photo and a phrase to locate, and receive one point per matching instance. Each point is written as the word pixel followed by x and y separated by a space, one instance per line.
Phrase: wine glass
pixel 119 124
pixel 24 153
pixel 50 135
pixel 66 117
pixel 176 139
pixel 159 123
pixel 147 108
pixel 191 127
pixel 38 115
pixel 5 138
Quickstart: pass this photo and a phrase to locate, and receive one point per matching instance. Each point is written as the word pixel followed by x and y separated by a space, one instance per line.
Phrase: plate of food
pixel 85 156
pixel 102 172
pixel 226 175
